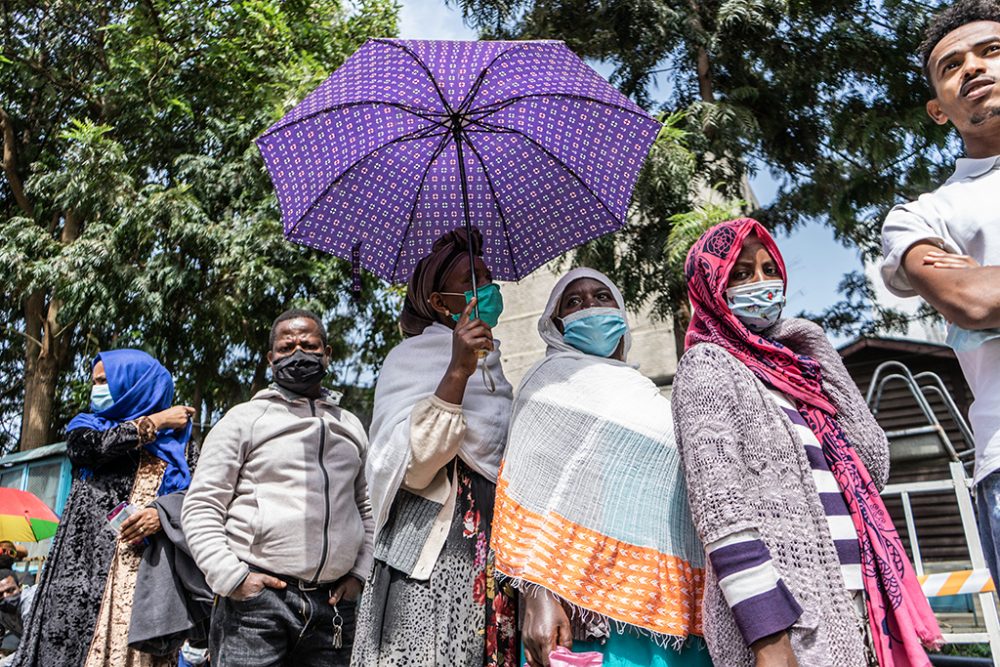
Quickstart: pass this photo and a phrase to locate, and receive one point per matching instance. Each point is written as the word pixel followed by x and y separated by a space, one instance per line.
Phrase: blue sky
pixel 816 261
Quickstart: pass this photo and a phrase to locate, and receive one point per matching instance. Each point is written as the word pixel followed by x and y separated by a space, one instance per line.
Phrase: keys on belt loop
pixel 338 629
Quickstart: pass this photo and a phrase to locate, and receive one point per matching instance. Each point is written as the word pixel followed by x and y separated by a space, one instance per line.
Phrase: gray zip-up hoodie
pixel 280 485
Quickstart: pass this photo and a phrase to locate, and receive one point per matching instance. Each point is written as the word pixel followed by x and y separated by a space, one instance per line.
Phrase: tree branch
pixel 703 64
pixel 10 165
pixel 21 333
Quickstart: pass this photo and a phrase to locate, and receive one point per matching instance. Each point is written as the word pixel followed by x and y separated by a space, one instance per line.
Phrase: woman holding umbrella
pixel 437 438
pixel 784 463
pixel 130 447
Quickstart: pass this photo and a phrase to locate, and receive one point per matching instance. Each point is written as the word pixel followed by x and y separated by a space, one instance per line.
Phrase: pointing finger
pixel 467 313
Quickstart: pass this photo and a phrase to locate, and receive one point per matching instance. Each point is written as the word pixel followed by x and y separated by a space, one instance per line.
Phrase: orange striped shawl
pixel 606 458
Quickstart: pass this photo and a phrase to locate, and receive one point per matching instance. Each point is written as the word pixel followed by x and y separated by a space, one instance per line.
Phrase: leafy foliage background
pixel 136 210
pixel 829 95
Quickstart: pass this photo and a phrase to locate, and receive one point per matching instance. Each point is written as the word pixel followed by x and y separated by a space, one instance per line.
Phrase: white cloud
pixel 432 19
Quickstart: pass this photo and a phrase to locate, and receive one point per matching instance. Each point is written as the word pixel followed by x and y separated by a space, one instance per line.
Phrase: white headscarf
pixel 411 373
pixel 592 489
pixel 547 327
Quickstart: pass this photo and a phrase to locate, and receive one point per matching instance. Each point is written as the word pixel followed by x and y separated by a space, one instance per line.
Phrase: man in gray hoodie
pixel 278 516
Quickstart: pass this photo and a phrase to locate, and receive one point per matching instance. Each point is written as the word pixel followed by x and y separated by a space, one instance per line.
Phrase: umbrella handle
pixel 488 382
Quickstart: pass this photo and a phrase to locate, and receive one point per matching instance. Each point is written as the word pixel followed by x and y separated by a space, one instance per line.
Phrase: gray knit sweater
pixel 746 469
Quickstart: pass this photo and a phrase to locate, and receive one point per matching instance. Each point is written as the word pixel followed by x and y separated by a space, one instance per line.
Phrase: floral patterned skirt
pixel 109 646
pixel 460 616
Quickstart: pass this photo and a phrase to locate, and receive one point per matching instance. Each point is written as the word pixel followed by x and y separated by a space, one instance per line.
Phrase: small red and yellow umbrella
pixel 25 518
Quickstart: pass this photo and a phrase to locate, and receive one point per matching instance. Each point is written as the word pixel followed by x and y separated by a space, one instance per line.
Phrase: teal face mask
pixel 490 304
pixel 595 331
pixel 100 398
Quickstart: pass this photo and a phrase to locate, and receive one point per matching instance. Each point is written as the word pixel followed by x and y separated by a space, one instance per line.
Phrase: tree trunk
pixel 9 162
pixel 39 377
pixel 47 351
pixel 703 65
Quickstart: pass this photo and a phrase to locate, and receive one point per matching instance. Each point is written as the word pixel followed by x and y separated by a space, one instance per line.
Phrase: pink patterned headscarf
pixel 900 617
pixel 707 271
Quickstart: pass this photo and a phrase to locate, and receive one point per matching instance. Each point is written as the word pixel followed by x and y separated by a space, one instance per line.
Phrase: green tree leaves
pixel 828 95
pixel 136 210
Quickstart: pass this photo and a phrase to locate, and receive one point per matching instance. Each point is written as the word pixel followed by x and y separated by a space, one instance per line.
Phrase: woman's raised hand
pixel 469 338
pixel 177 416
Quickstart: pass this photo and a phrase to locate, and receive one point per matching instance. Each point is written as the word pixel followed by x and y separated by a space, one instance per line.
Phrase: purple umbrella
pixel 409 139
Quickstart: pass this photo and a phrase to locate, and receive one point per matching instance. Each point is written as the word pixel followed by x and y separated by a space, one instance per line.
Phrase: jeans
pixel 988 509
pixel 281 628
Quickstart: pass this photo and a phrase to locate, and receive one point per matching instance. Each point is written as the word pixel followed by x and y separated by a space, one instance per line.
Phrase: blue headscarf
pixel 141 386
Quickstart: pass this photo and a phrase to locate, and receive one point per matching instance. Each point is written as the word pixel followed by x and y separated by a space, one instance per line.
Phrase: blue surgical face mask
pixel 757 305
pixel 194 656
pixel 100 397
pixel 595 331
pixel 490 304
pixel 964 340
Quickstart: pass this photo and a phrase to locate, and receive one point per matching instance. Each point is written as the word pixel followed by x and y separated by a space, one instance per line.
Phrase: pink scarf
pixel 901 619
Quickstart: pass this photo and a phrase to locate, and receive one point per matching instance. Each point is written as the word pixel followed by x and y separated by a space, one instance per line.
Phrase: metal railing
pixel 959 484
pixel 976 581
pixel 933 425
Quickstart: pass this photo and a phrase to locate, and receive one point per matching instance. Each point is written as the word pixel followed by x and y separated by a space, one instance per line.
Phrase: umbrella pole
pixel 465 211
pixel 456 130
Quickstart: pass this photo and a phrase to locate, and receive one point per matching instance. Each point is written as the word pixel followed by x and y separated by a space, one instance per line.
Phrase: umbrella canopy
pixel 409 139
pixel 25 518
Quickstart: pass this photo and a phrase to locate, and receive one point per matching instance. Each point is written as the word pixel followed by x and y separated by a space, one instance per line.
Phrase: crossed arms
pixel 965 293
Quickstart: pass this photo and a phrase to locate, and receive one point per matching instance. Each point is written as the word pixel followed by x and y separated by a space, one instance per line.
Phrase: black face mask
pixel 6 561
pixel 299 371
pixel 11 603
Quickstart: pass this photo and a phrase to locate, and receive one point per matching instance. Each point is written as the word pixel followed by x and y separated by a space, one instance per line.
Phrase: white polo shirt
pixel 962 216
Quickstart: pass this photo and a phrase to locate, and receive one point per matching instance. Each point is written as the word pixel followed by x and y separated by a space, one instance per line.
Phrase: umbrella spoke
pixel 493 108
pixel 408 51
pixel 474 90
pixel 496 202
pixel 416 200
pixel 425 114
pixel 416 135
pixel 488 127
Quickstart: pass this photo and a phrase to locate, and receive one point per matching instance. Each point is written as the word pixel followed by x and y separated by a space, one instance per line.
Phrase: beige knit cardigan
pixel 746 469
